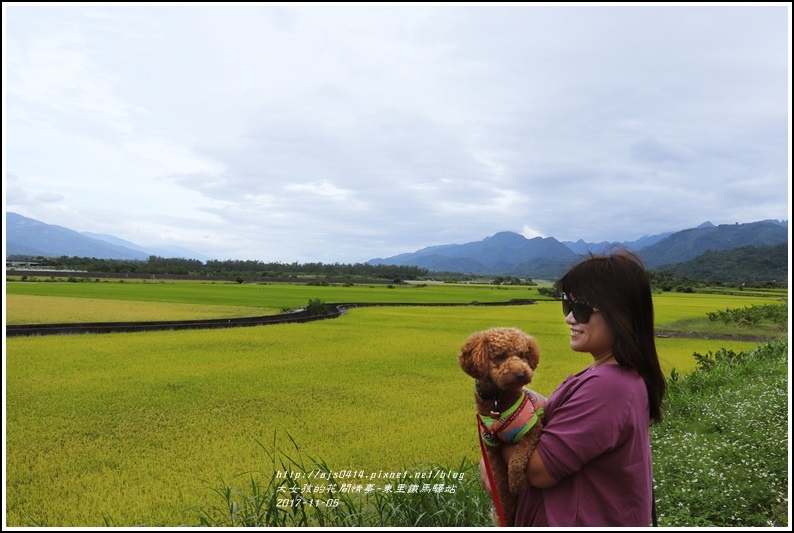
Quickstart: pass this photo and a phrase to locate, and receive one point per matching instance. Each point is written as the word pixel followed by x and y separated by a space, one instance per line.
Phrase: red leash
pixel 494 492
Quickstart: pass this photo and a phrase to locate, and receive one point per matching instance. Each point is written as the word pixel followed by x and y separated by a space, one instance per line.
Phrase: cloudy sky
pixel 341 133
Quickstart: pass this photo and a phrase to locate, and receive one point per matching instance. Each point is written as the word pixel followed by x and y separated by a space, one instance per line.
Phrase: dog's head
pixel 507 357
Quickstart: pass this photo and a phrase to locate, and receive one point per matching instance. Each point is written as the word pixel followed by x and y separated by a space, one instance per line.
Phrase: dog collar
pixel 494 396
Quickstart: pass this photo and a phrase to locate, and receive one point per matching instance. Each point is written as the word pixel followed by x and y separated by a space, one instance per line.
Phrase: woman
pixel 592 465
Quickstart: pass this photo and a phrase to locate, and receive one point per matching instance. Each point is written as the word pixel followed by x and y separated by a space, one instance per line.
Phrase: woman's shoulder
pixel 603 374
pixel 605 380
pixel 599 392
pixel 618 381
pixel 616 371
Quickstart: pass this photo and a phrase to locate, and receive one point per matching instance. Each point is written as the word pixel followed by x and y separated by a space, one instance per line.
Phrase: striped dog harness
pixel 513 423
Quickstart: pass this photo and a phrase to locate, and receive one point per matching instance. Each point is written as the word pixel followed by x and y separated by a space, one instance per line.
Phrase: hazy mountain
pixel 161 251
pixel 509 253
pixel 26 236
pixel 505 253
pixel 583 248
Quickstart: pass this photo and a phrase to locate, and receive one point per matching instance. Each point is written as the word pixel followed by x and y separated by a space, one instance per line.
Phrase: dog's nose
pixel 520 375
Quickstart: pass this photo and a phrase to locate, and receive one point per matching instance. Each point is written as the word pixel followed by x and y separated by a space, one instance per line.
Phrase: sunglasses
pixel 581 309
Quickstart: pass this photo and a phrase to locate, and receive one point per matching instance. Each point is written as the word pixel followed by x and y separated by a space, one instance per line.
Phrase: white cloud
pixel 172 159
pixel 343 133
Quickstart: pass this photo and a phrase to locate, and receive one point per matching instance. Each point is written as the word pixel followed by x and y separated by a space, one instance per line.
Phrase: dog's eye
pixel 500 357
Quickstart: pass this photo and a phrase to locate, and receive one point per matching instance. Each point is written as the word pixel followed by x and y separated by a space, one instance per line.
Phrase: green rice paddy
pixel 132 428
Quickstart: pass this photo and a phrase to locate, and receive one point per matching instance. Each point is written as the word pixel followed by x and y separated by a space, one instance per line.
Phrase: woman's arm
pixel 538 475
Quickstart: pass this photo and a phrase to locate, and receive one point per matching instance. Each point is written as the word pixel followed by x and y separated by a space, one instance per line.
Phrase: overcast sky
pixel 342 133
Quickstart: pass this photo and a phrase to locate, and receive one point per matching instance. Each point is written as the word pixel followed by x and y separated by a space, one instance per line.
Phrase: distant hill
pixel 508 253
pixel 690 243
pixel 504 253
pixel 583 248
pixel 160 251
pixel 747 264
pixel 28 237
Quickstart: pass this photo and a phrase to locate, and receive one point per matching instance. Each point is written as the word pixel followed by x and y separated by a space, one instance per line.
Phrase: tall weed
pixel 306 492
pixel 721 453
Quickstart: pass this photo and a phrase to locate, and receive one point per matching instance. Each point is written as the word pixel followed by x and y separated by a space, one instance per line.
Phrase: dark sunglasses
pixel 581 309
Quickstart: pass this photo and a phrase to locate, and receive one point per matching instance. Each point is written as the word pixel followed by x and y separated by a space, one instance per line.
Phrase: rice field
pixel 133 428
pixel 26 309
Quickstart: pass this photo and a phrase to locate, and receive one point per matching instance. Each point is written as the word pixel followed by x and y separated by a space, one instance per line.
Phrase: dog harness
pixel 513 423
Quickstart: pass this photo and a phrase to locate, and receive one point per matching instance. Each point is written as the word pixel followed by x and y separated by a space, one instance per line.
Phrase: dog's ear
pixel 534 352
pixel 472 357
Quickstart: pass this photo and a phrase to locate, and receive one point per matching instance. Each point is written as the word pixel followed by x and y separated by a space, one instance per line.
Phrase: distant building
pixel 14 264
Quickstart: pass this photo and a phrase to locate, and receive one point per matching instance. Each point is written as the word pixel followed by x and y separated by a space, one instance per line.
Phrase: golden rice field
pixel 26 309
pixel 137 428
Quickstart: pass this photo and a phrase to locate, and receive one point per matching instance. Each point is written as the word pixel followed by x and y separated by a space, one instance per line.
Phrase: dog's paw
pixel 518 467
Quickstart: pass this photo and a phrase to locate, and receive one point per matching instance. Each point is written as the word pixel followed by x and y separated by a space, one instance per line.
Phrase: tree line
pixel 751 265
pixel 229 268
pixel 748 266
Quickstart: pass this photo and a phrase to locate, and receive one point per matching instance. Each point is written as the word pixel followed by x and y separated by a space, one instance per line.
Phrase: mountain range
pixel 28 237
pixel 511 254
pixel 505 253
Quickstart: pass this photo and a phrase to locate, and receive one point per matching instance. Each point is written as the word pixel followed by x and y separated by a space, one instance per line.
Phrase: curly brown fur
pixel 503 361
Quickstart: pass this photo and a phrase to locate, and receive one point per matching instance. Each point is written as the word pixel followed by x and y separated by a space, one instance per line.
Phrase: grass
pixel 765 327
pixel 301 491
pixel 721 456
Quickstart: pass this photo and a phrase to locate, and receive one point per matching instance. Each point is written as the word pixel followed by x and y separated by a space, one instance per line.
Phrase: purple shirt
pixel 596 442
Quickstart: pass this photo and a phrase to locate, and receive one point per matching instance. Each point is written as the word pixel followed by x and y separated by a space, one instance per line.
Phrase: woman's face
pixel 595 336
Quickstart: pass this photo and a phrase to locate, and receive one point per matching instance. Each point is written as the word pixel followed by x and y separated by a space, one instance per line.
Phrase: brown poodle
pixel 502 361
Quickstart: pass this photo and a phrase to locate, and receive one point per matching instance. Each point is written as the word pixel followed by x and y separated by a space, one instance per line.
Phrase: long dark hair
pixel 618 284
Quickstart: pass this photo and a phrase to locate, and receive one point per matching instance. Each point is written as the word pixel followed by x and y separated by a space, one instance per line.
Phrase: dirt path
pixel 718 336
